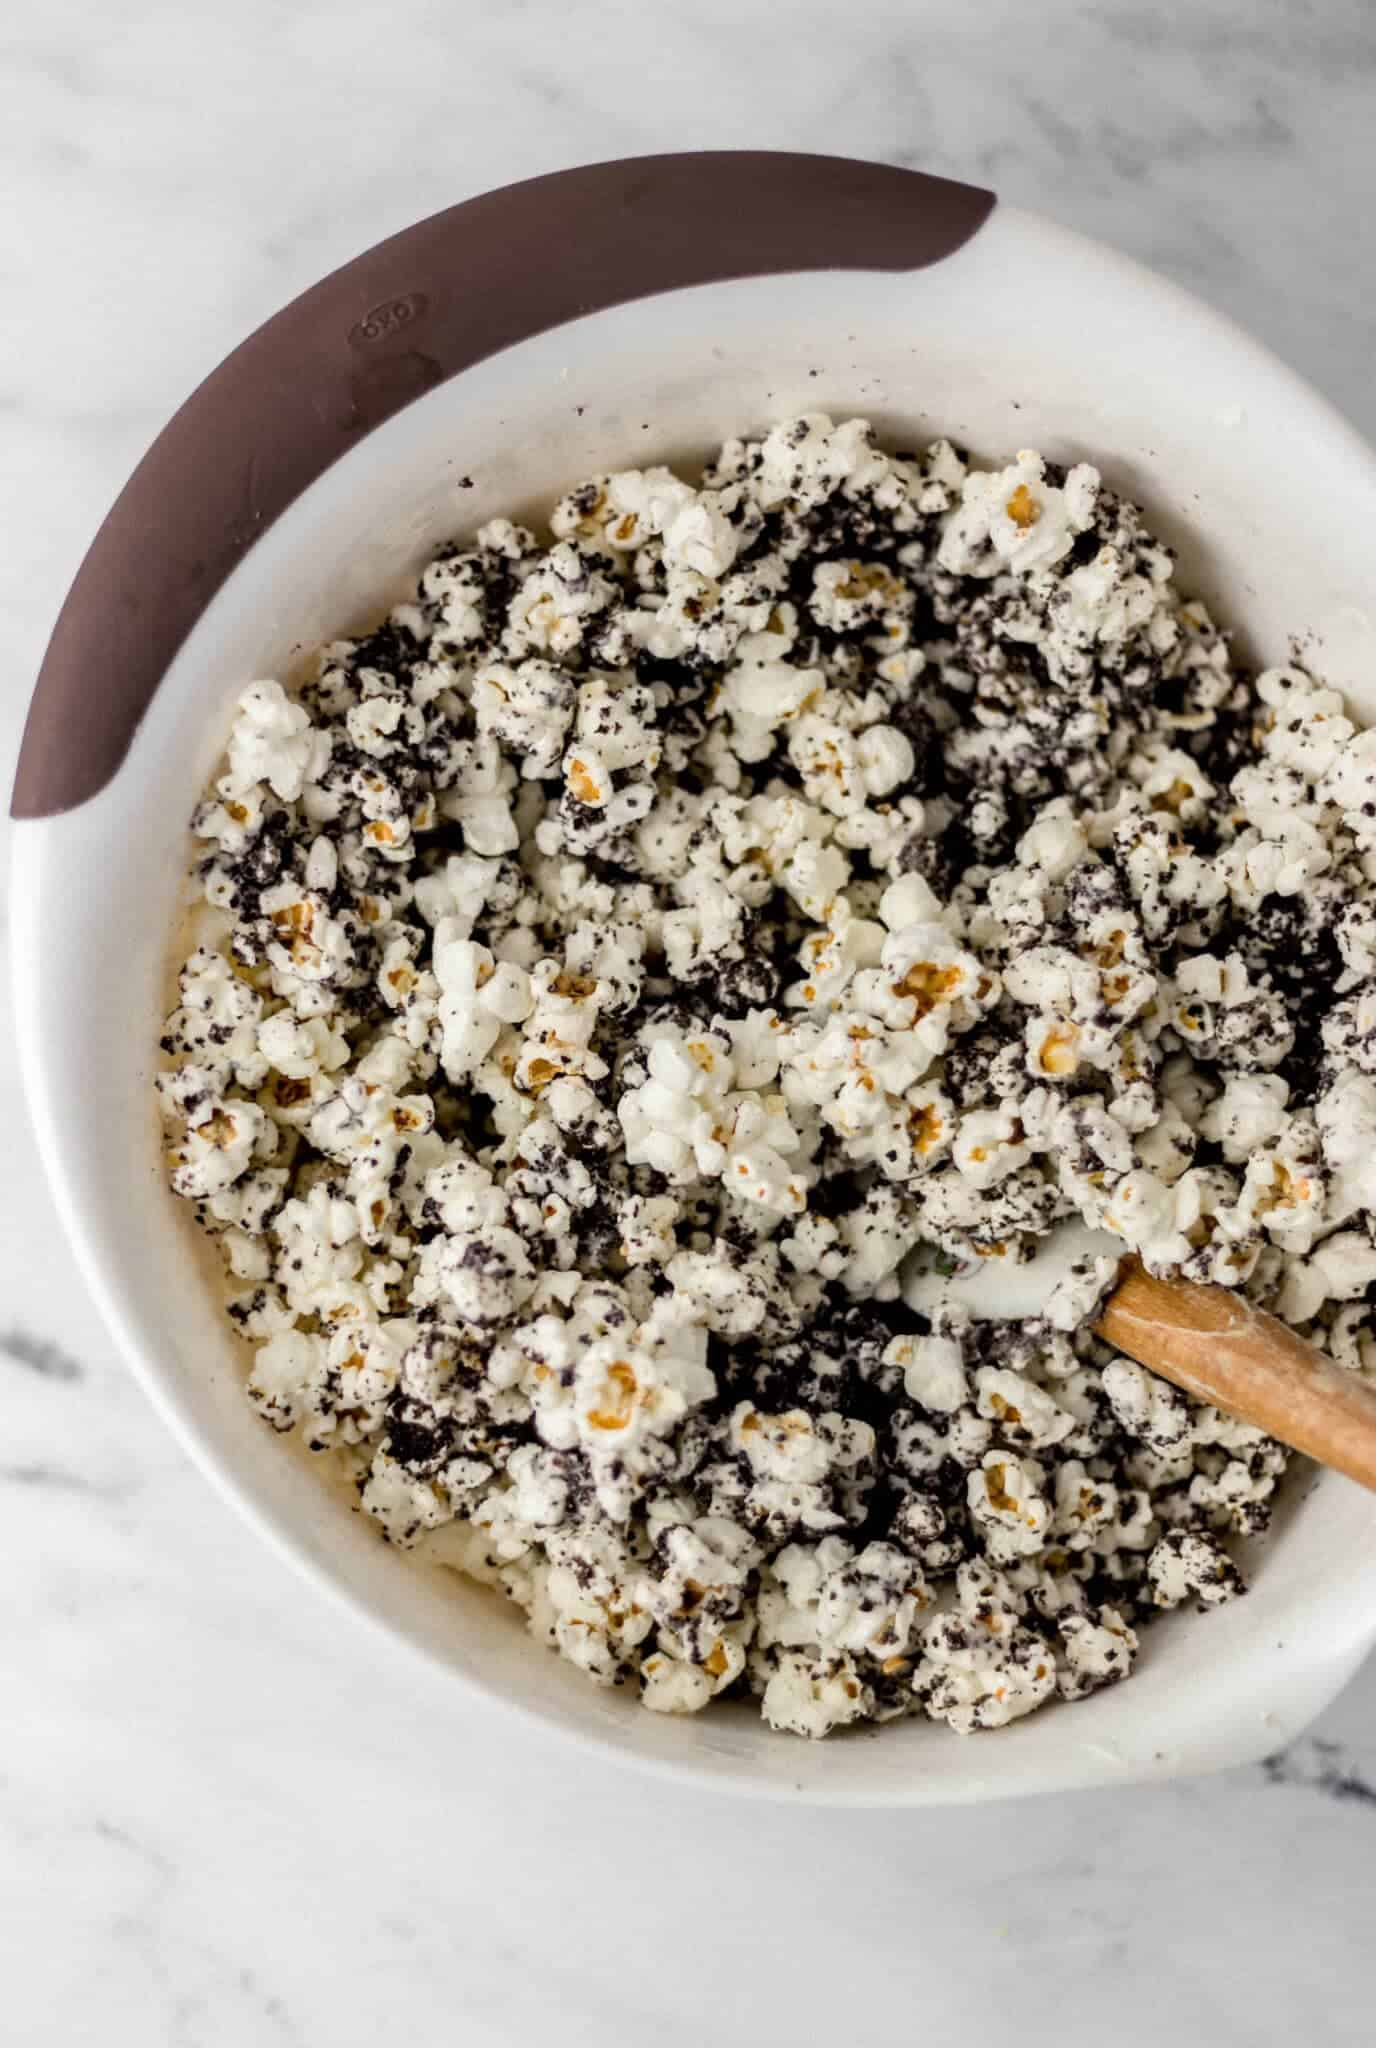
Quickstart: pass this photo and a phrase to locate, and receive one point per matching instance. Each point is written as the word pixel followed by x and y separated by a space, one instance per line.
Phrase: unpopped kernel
pixel 648 936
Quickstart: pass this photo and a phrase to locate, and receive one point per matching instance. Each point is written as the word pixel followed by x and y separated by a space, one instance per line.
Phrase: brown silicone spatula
pixel 1217 1346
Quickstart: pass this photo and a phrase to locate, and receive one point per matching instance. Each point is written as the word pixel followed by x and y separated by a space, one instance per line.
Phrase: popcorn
pixel 1284 1188
pixel 838 1604
pixel 933 1371
pixel 1079 1294
pixel 217 1150
pixel 1097 1653
pixel 403 1506
pixel 217 1025
pixel 479 798
pixel 627 509
pixel 486 1277
pixel 477 997
pixel 583 1605
pixel 287 1370
pixel 1005 1502
pixel 806 1696
pixel 647 1229
pixel 668 1686
pixel 764 692
pixel 1346 1118
pixel 301 1049
pixel 790 1459
pixel 1055 843
pixel 272 740
pixel 1014 519
pixel 628 1395
pixel 927 984
pixel 707 932
pixel 761 1163
pixel 527 708
pixel 674 1120
pixel 1147 1407
pixel 1189 1564
pixel 980 1668
pixel 990 1144
pixel 555 603
pixel 613 967
pixel 1249 1114
pixel 1339 1269
pixel 829 959
pixel 307 944
pixel 1021 1408
pixel 839 774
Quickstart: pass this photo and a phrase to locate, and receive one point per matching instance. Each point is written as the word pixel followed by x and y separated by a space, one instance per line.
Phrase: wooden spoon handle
pixel 1219 1347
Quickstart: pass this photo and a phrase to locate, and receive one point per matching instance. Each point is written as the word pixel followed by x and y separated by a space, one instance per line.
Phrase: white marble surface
pixel 225 1816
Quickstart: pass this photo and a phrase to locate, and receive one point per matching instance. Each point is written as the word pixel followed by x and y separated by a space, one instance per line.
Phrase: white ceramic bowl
pixel 593 320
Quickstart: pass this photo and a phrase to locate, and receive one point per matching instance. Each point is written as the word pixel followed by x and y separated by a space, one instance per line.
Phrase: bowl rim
pixel 348 353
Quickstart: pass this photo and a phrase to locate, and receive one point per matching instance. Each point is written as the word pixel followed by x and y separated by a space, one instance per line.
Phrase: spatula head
pixel 1001 1289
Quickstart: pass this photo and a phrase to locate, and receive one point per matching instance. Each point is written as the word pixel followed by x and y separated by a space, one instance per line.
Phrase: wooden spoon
pixel 1220 1348
pixel 1207 1340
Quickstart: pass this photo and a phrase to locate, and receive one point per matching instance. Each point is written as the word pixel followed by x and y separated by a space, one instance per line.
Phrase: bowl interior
pixel 1028 337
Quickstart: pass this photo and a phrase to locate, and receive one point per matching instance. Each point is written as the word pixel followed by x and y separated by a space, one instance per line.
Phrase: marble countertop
pixel 227 1816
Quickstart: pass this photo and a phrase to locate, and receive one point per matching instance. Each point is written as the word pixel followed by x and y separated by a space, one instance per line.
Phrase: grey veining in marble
pixel 227 1818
